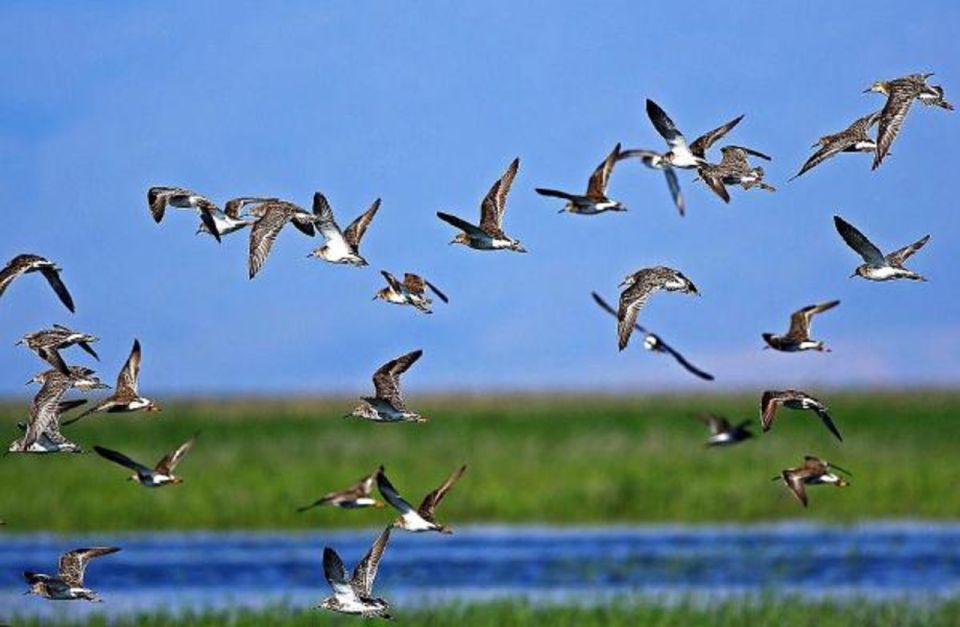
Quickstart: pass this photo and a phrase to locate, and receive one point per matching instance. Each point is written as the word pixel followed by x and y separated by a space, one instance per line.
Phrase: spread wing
pixel 167 465
pixel 683 361
pixel 45 408
pixel 717 424
pixel 130 373
pixel 801 319
pixel 393 282
pixel 386 380
pixel 747 151
pixel 390 493
pixel 794 480
pixel 715 182
pixel 701 144
pixel 463 225
pixel 891 119
pixel 858 241
pixel 631 300
pixel 437 291
pixel 495 202
pixel 665 126
pixel 157 199
pixel 262 236
pixel 898 257
pixel 366 571
pixel 428 506
pixel 825 152
pixel 119 458
pixel 52 356
pixel 674 186
pixel 336 573
pixel 414 283
pixel 597 185
pixel 769 403
pixel 613 312
pixel 73 564
pixel 828 422
pixel 52 275
pixel 16 266
pixel 358 227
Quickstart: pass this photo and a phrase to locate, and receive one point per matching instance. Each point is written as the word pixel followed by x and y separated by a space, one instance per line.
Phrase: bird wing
pixel 674 184
pixel 717 424
pixel 366 571
pixel 714 181
pixel 858 242
pixel 891 119
pixel 631 300
pixel 393 282
pixel 14 268
pixel 683 361
pixel 769 403
pixel 794 480
pixel 437 291
pixel 495 202
pixel 428 506
pixel 801 320
pixel 119 458
pixel 386 380
pixel 130 373
pixel 828 422
pixel 262 236
pixel 665 126
pixel 554 193
pixel 597 185
pixel 613 312
pixel 157 199
pixel 52 356
pixel 748 151
pixel 358 227
pixel 390 493
pixel 169 462
pixel 74 563
pixel 463 225
pixel 336 573
pixel 825 152
pixel 898 257
pixel 701 144
pixel 414 283
pixel 52 275
pixel 45 408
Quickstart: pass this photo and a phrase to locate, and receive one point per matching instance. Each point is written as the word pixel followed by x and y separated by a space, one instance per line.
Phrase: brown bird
pixel 854 138
pixel 158 476
pixel 413 291
pixel 638 287
pixel 595 200
pixel 271 217
pixel 67 585
pixel 355 497
pixel 158 197
pixel 793 399
pixel 28 263
pixel 489 234
pixel 424 517
pixel 723 433
pixel 798 337
pixel 814 471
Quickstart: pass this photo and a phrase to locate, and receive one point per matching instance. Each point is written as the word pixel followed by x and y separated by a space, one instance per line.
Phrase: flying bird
pixel 595 200
pixel 388 405
pixel 424 517
pixel 42 430
pixel 234 216
pixel 271 217
pixel 353 596
pixel 47 344
pixel 900 93
pixel 814 471
pixel 160 196
pixel 879 267
pixel 723 433
pixel 125 397
pixel 681 154
pixel 67 585
pixel 797 338
pixel 412 291
pixel 341 246
pixel 653 342
pixel 489 235
pixel 793 399
pixel 734 169
pixel 854 138
pixel 156 477
pixel 638 287
pixel 355 497
pixel 26 264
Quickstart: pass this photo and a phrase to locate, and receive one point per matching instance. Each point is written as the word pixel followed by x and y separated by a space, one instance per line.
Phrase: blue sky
pixel 424 105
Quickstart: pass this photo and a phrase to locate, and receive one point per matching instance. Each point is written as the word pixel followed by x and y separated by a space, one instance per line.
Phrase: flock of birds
pixel 266 217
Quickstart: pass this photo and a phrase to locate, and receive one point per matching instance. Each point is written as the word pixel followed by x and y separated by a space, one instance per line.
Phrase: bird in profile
pixel 234 216
pixel 653 342
pixel 793 399
pixel 125 397
pixel 424 517
pixel 900 93
pixel 156 477
pixel 161 196
pixel 353 595
pixel 734 169
pixel 682 154
pixel 47 344
pixel 814 471
pixel 638 287
pixel 68 585
pixel 595 200
pixel 660 161
pixel 42 430
pixel 879 267
pixel 388 405
pixel 723 433
pixel 341 246
pixel 270 218
pixel 51 440
pixel 854 138
pixel 489 235
pixel 412 291
pixel 354 497
pixel 797 338
pixel 28 263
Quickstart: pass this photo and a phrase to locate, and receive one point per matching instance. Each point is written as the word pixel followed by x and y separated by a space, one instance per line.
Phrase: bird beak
pixel 852 276
pixel 868 90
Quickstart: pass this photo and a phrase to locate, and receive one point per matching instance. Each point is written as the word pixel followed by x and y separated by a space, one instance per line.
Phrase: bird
pixel 47 344
pixel 424 517
pixel 387 405
pixel 270 218
pixel 355 497
pixel 734 169
pixel 814 471
pixel 353 596
pixel 489 235
pixel 160 196
pixel 27 263
pixel 854 138
pixel 900 93
pixel 793 399
pixel 595 200
pixel 681 154
pixel 67 585
pixel 413 291
pixel 42 430
pixel 638 287
pixel 234 215
pixel 653 342
pixel 660 161
pixel 797 338
pixel 341 246
pixel 722 433
pixel 158 476
pixel 879 267
pixel 125 397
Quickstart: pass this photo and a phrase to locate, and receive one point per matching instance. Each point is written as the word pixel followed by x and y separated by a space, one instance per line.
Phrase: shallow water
pixel 175 571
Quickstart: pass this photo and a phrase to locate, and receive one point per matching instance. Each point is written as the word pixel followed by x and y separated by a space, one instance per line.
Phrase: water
pixel 176 571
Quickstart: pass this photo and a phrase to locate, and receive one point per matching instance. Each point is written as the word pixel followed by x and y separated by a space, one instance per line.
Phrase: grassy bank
pixel 786 613
pixel 572 460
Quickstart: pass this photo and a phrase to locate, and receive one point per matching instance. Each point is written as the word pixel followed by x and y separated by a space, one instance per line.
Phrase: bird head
pixel 517 247
pixel 880 87
pixel 460 238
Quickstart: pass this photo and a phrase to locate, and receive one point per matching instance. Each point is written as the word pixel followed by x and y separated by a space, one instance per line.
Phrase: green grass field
pixel 771 613
pixel 572 460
